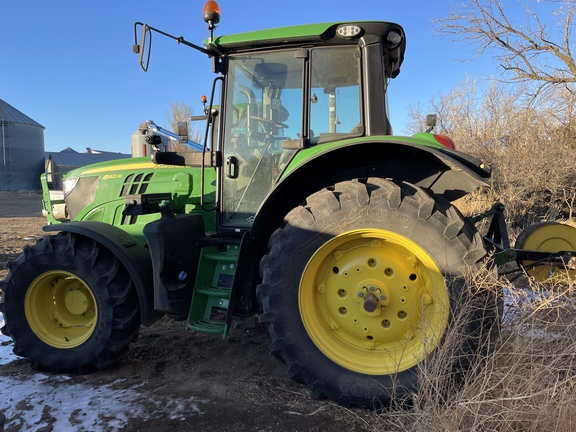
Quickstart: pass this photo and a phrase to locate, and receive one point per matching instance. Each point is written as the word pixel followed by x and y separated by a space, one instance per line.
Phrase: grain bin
pixel 21 150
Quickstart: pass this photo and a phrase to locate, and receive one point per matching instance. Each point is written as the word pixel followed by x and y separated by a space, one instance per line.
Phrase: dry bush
pixel 528 383
pixel 526 132
pixel 527 139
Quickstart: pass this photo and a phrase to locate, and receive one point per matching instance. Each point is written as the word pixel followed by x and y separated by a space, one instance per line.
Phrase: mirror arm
pixel 183 41
pixel 179 39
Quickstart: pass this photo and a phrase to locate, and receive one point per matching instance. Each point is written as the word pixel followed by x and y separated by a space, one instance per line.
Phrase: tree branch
pixel 534 52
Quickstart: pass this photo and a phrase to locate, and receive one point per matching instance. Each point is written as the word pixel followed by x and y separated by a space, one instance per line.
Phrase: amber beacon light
pixel 211 14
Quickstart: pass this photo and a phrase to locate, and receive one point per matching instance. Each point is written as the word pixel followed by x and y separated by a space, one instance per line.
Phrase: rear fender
pixel 443 172
pixel 131 254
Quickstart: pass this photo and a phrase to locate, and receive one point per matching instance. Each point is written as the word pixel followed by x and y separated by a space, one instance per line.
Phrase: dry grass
pixel 527 384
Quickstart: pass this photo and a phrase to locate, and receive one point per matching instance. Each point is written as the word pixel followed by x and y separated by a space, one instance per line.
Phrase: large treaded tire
pixel 310 332
pixel 69 305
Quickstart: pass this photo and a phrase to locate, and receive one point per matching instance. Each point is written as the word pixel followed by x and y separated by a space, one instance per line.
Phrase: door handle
pixel 232 167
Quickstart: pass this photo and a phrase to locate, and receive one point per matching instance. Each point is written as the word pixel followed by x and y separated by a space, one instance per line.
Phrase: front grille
pixel 134 184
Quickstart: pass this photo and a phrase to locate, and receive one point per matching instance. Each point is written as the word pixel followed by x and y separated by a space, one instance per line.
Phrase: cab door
pixel 263 100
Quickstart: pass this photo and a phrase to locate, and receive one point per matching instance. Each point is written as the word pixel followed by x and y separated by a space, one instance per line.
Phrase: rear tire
pixel 69 305
pixel 359 286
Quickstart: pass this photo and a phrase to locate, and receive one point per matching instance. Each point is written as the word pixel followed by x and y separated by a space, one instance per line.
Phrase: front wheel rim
pixel 373 301
pixel 61 309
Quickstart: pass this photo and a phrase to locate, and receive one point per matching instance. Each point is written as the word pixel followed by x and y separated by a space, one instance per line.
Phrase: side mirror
pixel 431 121
pixel 144 47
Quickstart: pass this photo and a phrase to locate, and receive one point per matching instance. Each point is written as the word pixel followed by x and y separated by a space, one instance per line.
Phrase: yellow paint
pixel 374 301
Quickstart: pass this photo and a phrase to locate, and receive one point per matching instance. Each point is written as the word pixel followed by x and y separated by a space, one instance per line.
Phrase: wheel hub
pixel 76 301
pixel 370 303
pixel 373 298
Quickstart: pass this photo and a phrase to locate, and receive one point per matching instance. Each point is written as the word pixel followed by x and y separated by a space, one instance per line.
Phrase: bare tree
pixel 534 51
pixel 529 141
pixel 530 146
pixel 182 112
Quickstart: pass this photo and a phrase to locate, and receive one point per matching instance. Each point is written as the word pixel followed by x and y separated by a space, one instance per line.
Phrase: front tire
pixel 69 305
pixel 360 285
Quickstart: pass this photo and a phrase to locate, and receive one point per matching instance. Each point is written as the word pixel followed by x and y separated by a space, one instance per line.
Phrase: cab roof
pixel 331 33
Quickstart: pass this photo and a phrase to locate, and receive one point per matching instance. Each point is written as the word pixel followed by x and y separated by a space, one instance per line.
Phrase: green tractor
pixel 300 206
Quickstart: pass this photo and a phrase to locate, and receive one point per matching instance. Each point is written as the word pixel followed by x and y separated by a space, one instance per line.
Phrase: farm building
pixel 22 155
pixel 59 163
pixel 21 150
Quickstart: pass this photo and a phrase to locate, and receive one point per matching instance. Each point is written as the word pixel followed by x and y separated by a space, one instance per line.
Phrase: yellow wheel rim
pixel 548 237
pixel 60 309
pixel 374 301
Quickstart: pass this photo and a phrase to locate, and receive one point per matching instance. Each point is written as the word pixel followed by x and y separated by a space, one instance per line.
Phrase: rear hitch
pixel 497 243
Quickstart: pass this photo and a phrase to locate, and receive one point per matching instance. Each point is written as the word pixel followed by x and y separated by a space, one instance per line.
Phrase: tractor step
pixel 207 327
pixel 223 293
pixel 223 256
pixel 211 298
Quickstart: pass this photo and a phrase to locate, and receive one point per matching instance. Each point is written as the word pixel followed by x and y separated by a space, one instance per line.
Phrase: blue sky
pixel 68 64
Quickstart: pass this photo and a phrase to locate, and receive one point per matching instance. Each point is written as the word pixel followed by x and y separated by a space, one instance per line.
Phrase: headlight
pixel 68 185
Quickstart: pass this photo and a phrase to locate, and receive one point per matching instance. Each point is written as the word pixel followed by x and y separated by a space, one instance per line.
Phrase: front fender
pixel 131 254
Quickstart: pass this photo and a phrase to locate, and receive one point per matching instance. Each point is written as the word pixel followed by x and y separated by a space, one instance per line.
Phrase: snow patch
pixel 33 401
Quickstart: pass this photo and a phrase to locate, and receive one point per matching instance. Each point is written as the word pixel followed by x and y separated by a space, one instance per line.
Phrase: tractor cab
pixel 285 90
pixel 273 109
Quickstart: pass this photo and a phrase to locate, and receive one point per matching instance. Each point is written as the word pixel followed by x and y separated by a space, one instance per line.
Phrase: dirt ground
pixel 235 384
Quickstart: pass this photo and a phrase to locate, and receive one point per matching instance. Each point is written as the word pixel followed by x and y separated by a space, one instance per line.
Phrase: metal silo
pixel 21 150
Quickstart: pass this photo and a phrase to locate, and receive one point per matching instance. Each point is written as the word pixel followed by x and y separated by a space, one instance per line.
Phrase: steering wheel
pixel 270 122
